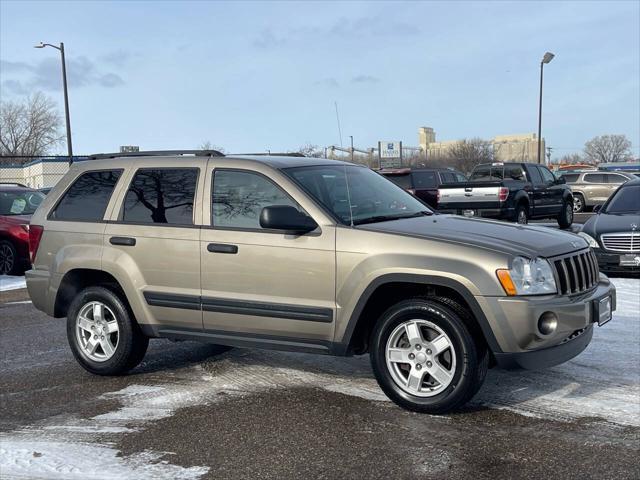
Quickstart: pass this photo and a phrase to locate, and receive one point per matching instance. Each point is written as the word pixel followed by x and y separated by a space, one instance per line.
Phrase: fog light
pixel 547 323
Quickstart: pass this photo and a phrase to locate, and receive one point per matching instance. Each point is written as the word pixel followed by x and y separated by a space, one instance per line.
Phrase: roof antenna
pixel 346 177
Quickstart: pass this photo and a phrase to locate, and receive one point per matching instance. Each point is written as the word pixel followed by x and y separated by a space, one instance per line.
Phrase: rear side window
pixel 87 199
pixel 534 173
pixel 615 178
pixel 594 178
pixel 571 177
pixel 163 196
pixel 425 180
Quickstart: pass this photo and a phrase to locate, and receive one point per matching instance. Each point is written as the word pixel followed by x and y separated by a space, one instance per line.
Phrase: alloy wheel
pixel 577 204
pixel 7 259
pixel 522 217
pixel 97 331
pixel 420 358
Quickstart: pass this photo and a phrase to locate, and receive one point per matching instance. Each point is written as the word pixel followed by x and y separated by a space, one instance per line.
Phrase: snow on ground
pixel 11 283
pixel 603 382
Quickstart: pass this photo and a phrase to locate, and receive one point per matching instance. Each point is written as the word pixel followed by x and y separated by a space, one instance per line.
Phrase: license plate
pixel 469 213
pixel 630 260
pixel 604 310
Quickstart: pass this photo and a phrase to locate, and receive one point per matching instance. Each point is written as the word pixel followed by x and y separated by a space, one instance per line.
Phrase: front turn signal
pixel 505 280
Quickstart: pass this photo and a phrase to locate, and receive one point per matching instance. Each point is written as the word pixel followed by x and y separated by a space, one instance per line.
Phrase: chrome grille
pixel 576 272
pixel 621 242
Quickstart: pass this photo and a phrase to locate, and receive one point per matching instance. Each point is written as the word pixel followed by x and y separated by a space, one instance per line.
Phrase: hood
pixel 610 223
pixel 15 219
pixel 510 238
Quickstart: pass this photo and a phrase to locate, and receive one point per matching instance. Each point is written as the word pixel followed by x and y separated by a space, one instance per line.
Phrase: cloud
pixel 365 79
pixel 46 75
pixel 267 39
pixel 329 82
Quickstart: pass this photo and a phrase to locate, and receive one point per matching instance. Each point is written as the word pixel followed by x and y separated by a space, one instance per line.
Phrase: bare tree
pixel 29 128
pixel 311 150
pixel 608 148
pixel 571 159
pixel 207 145
pixel 467 153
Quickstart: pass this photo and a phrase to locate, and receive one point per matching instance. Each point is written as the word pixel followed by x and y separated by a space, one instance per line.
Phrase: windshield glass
pixel 625 200
pixel 373 197
pixel 19 202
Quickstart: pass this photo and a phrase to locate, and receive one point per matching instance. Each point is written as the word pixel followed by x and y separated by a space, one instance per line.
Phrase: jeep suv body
pixel 307 255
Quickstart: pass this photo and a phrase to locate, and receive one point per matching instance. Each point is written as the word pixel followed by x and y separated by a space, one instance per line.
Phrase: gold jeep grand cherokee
pixel 310 255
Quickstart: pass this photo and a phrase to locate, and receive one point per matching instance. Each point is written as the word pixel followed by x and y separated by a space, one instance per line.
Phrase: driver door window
pixel 239 197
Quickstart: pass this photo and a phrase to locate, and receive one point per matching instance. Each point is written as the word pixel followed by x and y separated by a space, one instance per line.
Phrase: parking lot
pixel 188 413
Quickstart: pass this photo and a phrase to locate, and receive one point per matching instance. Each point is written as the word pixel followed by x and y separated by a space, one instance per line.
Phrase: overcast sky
pixel 254 76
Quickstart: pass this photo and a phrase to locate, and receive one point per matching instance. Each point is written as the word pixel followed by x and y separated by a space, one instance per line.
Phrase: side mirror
pixel 597 208
pixel 287 218
pixel 561 180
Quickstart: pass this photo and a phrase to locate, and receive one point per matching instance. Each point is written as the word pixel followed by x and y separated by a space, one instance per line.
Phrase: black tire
pixel 565 217
pixel 132 343
pixel 522 214
pixel 578 203
pixel 472 358
pixel 9 262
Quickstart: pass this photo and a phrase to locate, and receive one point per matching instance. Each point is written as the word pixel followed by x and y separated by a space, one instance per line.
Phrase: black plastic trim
pixel 342 348
pixel 240 307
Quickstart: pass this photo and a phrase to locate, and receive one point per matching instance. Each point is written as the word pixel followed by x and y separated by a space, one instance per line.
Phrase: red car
pixel 17 204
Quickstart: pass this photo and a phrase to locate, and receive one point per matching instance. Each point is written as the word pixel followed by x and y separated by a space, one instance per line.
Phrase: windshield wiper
pixel 384 218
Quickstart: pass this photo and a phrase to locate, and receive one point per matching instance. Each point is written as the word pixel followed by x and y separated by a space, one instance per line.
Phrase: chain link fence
pixel 35 171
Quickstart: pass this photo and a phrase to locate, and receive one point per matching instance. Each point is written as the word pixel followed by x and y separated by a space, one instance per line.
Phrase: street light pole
pixel 66 95
pixel 548 56
pixel 351 137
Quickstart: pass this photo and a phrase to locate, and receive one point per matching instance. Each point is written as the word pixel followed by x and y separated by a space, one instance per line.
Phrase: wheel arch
pixel 388 289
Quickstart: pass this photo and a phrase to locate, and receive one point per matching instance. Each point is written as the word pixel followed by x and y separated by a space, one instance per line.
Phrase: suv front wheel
pixel 104 338
pixel 424 357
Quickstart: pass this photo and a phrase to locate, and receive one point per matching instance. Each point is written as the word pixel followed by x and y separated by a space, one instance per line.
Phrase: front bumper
pixel 610 262
pixel 521 342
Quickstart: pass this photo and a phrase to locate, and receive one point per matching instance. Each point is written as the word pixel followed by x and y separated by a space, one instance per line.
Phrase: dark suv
pixel 424 182
pixel 17 204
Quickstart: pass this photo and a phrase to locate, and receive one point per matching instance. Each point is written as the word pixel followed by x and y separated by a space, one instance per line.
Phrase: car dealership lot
pixel 187 414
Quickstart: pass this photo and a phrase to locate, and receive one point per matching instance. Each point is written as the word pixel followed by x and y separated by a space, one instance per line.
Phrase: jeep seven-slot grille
pixel 576 272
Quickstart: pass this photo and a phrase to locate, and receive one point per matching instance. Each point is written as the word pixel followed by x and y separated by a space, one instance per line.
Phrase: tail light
pixel 35 234
pixel 503 194
pixel 438 196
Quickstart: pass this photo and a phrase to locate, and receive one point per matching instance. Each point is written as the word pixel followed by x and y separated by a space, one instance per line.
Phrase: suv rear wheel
pixel 103 336
pixel 565 217
pixel 578 203
pixel 522 214
pixel 425 358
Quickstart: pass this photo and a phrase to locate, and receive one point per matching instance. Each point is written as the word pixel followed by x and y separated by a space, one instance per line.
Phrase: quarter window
pixel 239 197
pixel 162 196
pixel 86 200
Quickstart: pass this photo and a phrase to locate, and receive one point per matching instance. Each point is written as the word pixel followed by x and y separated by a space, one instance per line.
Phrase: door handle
pixel 222 248
pixel 124 241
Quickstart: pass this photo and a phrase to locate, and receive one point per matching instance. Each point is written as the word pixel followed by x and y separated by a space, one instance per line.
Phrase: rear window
pixel 447 177
pixel 425 180
pixel 488 172
pixel 403 181
pixel 87 199
pixel 514 172
pixel 162 196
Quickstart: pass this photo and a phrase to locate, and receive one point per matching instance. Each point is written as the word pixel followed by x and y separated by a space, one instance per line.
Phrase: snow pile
pixel 11 283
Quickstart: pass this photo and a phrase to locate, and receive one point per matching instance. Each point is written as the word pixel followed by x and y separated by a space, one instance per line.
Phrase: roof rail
pixel 262 154
pixel 157 153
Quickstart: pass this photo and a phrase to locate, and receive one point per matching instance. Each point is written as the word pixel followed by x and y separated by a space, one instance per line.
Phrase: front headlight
pixel 528 277
pixel 590 240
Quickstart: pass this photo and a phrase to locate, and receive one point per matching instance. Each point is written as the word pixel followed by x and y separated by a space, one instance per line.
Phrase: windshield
pixel 19 202
pixel 625 200
pixel 373 197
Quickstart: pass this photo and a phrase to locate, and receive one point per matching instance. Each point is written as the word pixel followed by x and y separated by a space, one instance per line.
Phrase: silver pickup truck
pixel 510 191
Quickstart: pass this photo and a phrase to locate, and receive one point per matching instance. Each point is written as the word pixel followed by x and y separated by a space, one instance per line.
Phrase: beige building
pixel 506 148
